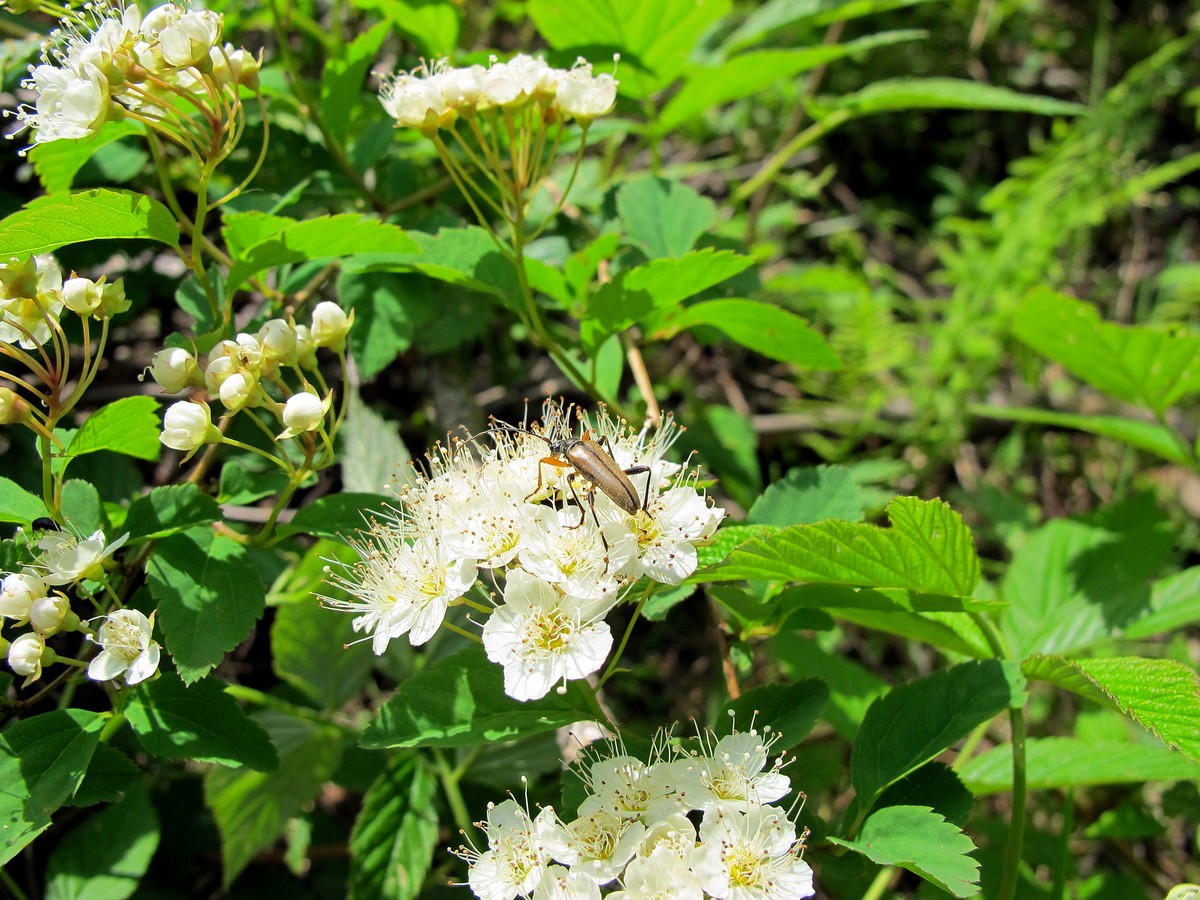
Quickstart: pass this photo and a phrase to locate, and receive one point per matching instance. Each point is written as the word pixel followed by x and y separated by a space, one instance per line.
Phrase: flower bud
pixel 237 391
pixel 174 369
pixel 218 370
pixel 245 351
pixel 187 426
pixel 330 325
pixel 81 295
pixel 18 592
pixel 13 409
pixel 185 36
pixel 583 95
pixel 303 412
pixel 47 614
pixel 25 655
pixel 278 341
pixel 234 65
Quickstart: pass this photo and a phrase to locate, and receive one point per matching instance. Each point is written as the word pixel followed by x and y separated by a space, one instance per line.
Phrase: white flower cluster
pixel 434 96
pixel 110 61
pixel 239 373
pixel 565 550
pixel 637 831
pixel 29 597
pixel 33 295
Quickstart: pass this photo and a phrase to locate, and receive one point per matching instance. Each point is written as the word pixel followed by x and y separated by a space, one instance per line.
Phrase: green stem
pixel 616 657
pixel 281 503
pixel 879 886
pixel 775 163
pixel 1016 828
pixel 450 787
pixel 271 702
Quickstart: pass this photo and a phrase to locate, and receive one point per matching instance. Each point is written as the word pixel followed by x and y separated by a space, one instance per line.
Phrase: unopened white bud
pixel 47 614
pixel 303 412
pixel 173 369
pixel 17 593
pixel 237 391
pixel 25 655
pixel 218 370
pixel 81 295
pixel 187 426
pixel 330 325
pixel 13 409
pixel 278 341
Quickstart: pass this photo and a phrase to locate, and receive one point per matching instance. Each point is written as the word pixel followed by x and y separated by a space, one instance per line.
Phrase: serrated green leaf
pixel 460 701
pixel 106 857
pixel 1172 605
pixel 934 785
pixel 17 504
pixel 1148 436
pixel 168 510
pixel 956 632
pixel 744 75
pixel 791 710
pixel 57 220
pixel 1161 695
pixel 928 550
pixel 199 722
pixel 209 597
pixel 82 507
pixel 129 426
pixel 898 94
pixel 432 24
pixel 251 808
pixel 373 453
pixel 663 218
pixel 57 162
pixel 281 240
pixel 918 839
pixel 42 762
pixel 1053 763
pixel 1153 367
pixel 655 40
pixel 308 650
pixel 1075 583
pixel 245 479
pixel 391 847
pixel 772 15
pixel 109 774
pixel 807 495
pixel 913 723
pixel 766 329
pixel 723 543
pixel 342 80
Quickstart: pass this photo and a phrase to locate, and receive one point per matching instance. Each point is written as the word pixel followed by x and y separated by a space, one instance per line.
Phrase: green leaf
pixel 57 220
pixel 109 775
pixel 807 495
pixel 934 785
pixel 58 162
pixel 129 426
pixel 308 649
pixel 898 94
pixel 336 516
pixel 1053 763
pixel 945 629
pixel 655 40
pixel 918 839
pixel 790 709
pixel 373 453
pixel 199 722
pixel 81 506
pixel 459 701
pixel 245 479
pixel 209 597
pixel 391 847
pixel 1148 436
pixel 928 549
pixel 635 293
pixel 17 504
pixel 852 687
pixel 275 240
pixel 251 808
pixel 432 24
pixel 342 80
pixel 1075 583
pixel 913 723
pixel 726 539
pixel 1153 367
pixel 1161 695
pixel 663 218
pixel 775 14
pixel 766 329
pixel 106 857
pixel 1172 605
pixel 42 762
pixel 710 87
pixel 168 510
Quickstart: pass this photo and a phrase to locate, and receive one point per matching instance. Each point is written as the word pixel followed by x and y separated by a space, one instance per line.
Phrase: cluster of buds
pixel 436 95
pixel 248 373
pixel 35 597
pixel 108 62
pixel 567 553
pixel 636 830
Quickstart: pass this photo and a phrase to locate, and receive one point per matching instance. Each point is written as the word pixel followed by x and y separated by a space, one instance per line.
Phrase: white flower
pixel 631 789
pixel 330 325
pixel 597 845
pixel 187 426
pixel 559 883
pixel 30 300
pixel 184 36
pixel 71 103
pixel 68 558
pixel 751 856
pixel 491 523
pixel 173 369
pixel 732 773
pixel 17 593
pixel 542 637
pixel 416 99
pixel 244 351
pixel 584 95
pixel 25 655
pixel 238 390
pixel 520 79
pixel 401 588
pixel 234 66
pixel 667 532
pixel 462 88
pixel 566 548
pixel 675 835
pixel 516 858
pixel 661 876
pixel 304 412
pixel 128 650
pixel 47 614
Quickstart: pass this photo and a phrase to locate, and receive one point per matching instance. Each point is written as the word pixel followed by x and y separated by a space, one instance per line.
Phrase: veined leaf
pixel 57 220
pixel 391 847
pixel 790 709
pixel 899 94
pixel 663 218
pixel 129 426
pixel 772 15
pixel 808 495
pixel 17 504
pixel 57 162
pixel 342 80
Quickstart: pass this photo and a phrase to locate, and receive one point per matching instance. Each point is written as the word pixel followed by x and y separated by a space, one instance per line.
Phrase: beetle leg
pixel 591 495
pixel 638 470
pixel 546 461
